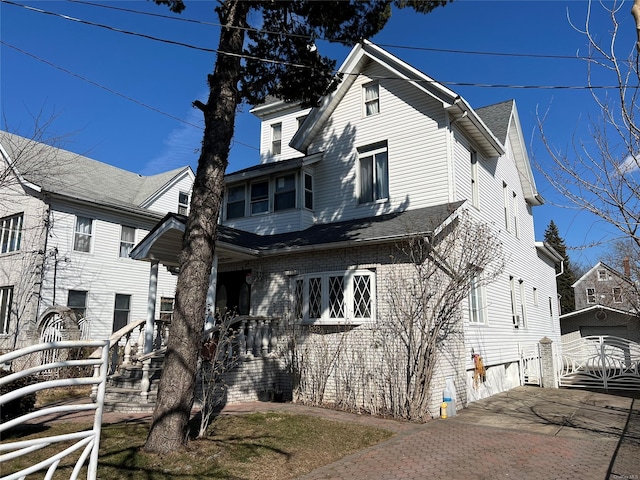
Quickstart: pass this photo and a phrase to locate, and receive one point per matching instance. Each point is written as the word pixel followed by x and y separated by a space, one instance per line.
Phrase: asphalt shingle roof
pixel 497 117
pixel 70 174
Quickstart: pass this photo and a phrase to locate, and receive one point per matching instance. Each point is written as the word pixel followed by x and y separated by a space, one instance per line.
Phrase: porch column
pixel 151 307
pixel 211 294
pixel 547 365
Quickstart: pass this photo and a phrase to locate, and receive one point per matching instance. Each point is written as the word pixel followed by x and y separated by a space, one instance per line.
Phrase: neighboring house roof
pixel 164 241
pixel 596 308
pixel 591 273
pixel 81 178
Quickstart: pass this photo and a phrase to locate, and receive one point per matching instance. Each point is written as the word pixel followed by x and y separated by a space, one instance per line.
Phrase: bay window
pixel 333 297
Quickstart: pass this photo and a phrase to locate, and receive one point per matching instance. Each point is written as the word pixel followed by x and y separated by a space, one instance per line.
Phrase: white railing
pixel 530 371
pixel 87 442
pixel 255 337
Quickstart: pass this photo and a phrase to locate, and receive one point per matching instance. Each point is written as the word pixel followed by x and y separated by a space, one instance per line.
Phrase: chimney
pixel 627 267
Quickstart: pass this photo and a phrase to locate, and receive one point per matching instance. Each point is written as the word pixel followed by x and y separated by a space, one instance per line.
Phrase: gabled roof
pixel 600 265
pixel 502 118
pixel 163 243
pixel 355 63
pixel 77 177
pixel 596 308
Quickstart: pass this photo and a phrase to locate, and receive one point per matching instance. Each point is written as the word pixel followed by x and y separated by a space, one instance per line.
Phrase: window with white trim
pixel 183 203
pixel 477 314
pixel 236 201
pixel 166 309
pixel 284 193
pixel 603 275
pixel 591 295
pixel 371 98
pixel 514 303
pixel 83 234
pixel 11 233
pixel 373 173
pixel 523 305
pixel 127 240
pixel 334 297
pixel 276 139
pixel 475 195
pixel 6 300
pixel 259 197
pixel 535 297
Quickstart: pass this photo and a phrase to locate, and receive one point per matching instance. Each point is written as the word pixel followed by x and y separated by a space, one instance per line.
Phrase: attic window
pixel 371 99
pixel 602 275
pixel 183 203
pixel 276 139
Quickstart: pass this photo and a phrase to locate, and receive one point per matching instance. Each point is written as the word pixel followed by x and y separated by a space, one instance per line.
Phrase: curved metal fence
pixel 84 444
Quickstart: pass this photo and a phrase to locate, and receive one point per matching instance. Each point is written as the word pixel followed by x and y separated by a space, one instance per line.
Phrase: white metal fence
pixel 87 442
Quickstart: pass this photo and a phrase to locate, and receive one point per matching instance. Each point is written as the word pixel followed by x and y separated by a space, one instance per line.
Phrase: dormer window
pixel 371 99
pixel 276 139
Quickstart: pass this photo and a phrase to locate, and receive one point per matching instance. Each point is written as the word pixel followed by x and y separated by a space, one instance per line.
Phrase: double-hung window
pixel 477 313
pixel 127 241
pixel 6 300
pixel 83 234
pixel 591 295
pixel 371 93
pixel 166 309
pixel 374 173
pixel 276 139
pixel 77 301
pixel 603 276
pixel 11 234
pixel 259 197
pixel 308 191
pixel 505 195
pixel 183 203
pixel 284 195
pixel 121 310
pixel 335 297
pixel 235 202
pixel 617 295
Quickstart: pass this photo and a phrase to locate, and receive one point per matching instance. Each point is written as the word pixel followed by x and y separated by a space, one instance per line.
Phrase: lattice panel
pixel 315 297
pixel 362 296
pixel 336 297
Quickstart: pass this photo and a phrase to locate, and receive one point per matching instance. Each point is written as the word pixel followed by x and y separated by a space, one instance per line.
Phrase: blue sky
pixel 121 131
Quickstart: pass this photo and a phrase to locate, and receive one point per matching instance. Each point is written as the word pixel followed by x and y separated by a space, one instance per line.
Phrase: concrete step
pixel 128 395
pixel 128 407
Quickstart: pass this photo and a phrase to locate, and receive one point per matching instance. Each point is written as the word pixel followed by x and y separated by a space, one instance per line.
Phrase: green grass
pixel 255 446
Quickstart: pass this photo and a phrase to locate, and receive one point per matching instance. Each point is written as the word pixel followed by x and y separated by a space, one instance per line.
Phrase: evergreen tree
pixel 568 277
pixel 264 48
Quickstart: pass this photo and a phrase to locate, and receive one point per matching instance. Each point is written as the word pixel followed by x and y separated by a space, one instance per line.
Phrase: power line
pixel 110 90
pixel 313 38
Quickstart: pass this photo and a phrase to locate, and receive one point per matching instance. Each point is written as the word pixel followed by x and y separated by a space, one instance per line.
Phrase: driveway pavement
pixel 526 433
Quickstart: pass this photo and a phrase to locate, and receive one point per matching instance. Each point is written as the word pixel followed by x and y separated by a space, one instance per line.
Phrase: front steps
pixel 123 388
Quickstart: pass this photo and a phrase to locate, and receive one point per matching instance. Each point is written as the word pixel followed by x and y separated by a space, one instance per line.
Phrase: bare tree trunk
pixel 169 430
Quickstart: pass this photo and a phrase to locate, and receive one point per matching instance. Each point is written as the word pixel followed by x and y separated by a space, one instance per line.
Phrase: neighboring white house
pixel 68 225
pixel 306 234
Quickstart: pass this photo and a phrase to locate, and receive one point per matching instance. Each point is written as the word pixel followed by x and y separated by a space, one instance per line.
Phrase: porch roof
pixel 164 242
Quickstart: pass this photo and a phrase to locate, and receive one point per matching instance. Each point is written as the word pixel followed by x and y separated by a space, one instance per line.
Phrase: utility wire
pixel 310 38
pixel 110 90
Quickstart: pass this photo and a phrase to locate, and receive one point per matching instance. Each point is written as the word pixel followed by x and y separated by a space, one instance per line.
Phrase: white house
pixel 306 235
pixel 68 225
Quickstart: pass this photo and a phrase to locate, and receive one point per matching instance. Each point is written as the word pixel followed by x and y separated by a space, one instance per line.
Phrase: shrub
pixel 19 406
